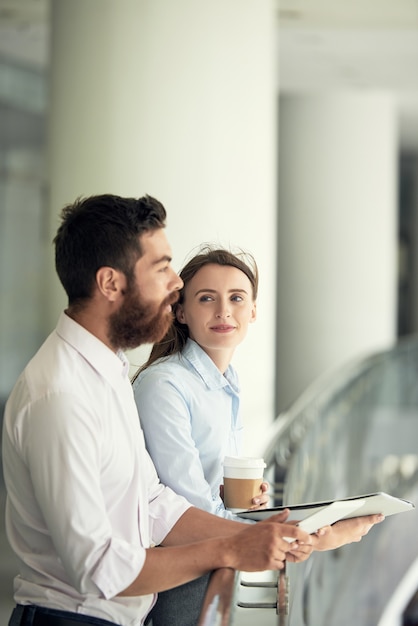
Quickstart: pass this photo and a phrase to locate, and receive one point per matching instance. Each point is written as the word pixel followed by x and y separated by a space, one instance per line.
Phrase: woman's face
pixel 218 306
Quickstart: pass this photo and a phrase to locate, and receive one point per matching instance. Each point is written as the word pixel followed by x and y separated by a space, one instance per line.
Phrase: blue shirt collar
pixel 207 369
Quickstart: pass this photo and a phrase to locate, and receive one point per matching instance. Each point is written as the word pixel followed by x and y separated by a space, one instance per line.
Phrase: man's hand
pixel 262 546
pixel 299 551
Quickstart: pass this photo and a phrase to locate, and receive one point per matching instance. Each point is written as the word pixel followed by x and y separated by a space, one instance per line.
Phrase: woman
pixel 188 392
pixel 188 396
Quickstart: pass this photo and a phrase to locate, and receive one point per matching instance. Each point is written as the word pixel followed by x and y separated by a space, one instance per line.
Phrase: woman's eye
pixel 205 299
pixel 237 298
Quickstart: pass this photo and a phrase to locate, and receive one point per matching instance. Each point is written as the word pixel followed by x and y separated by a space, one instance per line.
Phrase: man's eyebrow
pixel 164 259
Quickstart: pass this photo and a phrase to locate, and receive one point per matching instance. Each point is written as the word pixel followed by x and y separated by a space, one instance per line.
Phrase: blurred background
pixel 287 128
pixel 290 129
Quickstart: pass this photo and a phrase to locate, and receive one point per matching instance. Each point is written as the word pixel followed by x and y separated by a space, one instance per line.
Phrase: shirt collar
pixel 207 369
pixel 112 366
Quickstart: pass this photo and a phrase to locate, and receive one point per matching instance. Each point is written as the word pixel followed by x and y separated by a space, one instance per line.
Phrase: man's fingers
pixel 278 517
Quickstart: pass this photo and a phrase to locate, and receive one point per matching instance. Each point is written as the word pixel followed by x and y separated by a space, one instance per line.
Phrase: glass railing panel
pixel 355 433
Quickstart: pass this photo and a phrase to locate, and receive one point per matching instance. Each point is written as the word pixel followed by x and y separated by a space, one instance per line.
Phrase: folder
pixel 335 510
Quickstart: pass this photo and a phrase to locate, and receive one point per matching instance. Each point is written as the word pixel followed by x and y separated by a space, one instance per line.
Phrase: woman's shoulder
pixel 166 368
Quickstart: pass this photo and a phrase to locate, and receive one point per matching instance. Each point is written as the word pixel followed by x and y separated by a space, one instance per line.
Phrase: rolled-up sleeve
pixel 164 512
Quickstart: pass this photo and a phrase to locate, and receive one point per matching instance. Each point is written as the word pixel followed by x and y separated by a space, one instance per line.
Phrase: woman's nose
pixel 223 311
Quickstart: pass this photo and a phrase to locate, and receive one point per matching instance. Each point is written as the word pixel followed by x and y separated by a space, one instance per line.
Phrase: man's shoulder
pixel 57 367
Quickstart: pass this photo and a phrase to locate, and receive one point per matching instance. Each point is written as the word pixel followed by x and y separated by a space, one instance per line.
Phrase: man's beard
pixel 136 322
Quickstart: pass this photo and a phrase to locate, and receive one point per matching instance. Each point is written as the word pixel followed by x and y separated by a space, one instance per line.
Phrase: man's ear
pixel 180 314
pixel 110 282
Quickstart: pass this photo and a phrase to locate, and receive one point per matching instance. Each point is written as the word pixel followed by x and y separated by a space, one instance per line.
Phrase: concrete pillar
pixel 175 99
pixel 337 276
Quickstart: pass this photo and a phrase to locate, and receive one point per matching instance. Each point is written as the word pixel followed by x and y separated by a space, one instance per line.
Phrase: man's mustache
pixel 171 299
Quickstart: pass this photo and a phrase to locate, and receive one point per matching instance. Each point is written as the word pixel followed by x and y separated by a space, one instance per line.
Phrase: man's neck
pixel 93 320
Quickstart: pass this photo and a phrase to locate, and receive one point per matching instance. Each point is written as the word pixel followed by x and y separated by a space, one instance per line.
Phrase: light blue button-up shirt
pixel 189 412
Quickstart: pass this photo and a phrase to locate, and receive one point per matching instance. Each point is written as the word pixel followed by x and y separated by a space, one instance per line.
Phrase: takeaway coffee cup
pixel 242 481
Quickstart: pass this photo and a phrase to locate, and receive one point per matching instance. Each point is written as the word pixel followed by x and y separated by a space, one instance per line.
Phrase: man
pixel 85 506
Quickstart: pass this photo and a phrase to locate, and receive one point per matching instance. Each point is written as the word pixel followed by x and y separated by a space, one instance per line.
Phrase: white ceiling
pixel 323 45
pixel 329 45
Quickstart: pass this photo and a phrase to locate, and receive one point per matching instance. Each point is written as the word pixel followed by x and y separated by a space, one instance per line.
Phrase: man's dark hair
pixel 101 231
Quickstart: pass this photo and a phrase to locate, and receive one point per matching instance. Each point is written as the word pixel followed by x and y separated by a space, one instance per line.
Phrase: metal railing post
pixel 218 605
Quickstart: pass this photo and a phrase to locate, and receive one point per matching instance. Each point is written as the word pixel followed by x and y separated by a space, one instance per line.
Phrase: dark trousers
pixel 40 616
pixel 180 606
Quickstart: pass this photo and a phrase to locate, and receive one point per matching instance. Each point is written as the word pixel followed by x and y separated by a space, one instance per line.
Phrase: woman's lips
pixel 222 328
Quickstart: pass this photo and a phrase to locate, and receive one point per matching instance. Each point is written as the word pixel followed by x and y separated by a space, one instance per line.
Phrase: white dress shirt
pixel 83 498
pixel 190 415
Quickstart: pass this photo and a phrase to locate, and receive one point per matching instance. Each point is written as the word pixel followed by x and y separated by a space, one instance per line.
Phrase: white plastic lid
pixel 243 462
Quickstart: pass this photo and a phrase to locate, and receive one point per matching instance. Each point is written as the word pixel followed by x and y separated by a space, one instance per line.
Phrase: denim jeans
pixel 24 616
